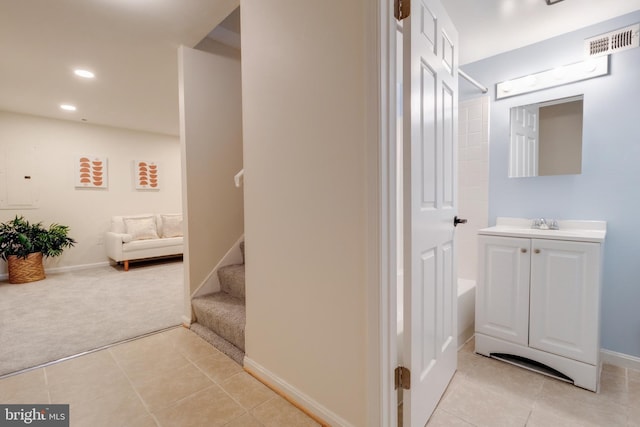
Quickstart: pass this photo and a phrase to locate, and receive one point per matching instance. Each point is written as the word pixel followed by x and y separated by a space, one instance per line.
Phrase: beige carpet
pixel 73 312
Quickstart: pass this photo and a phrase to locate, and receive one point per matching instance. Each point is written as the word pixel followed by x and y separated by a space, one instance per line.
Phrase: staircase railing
pixel 239 178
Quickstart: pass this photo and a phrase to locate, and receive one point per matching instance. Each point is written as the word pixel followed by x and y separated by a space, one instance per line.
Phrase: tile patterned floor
pixel 176 379
pixel 487 392
pixel 173 378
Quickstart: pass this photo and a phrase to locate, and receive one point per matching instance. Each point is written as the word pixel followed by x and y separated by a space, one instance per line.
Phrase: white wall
pixel 305 152
pixel 88 211
pixel 473 181
pixel 211 140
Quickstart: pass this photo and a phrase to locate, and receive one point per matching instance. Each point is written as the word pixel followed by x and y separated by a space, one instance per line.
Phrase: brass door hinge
pixel 403 378
pixel 401 9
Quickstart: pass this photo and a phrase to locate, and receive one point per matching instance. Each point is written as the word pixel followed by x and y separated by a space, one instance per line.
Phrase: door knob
pixel 457 221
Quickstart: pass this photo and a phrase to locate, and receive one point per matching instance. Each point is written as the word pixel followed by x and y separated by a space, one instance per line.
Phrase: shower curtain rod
pixel 473 81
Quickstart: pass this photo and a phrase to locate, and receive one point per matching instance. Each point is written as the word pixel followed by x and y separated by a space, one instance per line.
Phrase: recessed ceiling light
pixel 68 107
pixel 83 73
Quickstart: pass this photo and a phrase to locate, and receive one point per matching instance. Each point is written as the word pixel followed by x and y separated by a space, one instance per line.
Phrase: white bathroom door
pixel 524 141
pixel 430 191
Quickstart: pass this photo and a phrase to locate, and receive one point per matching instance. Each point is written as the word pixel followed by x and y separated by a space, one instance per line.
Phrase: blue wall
pixel 608 188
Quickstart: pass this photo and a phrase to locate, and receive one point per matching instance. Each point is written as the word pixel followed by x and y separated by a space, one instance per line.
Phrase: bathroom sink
pixel 577 230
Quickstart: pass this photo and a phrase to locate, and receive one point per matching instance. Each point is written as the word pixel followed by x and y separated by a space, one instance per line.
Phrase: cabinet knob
pixel 523 250
pixel 537 251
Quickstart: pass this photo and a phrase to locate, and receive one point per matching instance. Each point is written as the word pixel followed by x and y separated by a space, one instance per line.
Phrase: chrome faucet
pixel 545 224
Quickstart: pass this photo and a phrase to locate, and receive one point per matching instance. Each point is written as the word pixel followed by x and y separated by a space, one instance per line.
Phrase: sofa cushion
pixel 139 245
pixel 141 228
pixel 171 225
pixel 117 222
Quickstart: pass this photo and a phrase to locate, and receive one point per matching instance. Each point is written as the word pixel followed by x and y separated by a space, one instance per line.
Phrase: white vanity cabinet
pixel 538 295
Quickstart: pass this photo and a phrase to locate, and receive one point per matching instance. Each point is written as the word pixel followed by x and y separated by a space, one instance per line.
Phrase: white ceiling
pixel 131 45
pixel 489 27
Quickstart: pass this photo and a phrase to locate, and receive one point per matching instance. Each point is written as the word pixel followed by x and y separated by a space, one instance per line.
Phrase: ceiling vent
pixel 615 41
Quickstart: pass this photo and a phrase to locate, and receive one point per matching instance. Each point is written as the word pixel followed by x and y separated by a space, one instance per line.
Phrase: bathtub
pixel 466 310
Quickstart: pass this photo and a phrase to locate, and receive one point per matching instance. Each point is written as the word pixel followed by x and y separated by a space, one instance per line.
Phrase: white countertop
pixel 574 230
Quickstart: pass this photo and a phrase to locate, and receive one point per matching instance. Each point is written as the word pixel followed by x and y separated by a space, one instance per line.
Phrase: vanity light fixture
pixel 583 70
pixel 84 73
pixel 68 107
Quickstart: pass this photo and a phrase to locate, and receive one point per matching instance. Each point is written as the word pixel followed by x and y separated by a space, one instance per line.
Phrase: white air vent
pixel 615 41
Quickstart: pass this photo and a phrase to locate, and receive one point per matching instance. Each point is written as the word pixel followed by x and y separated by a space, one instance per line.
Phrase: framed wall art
pixel 146 175
pixel 91 172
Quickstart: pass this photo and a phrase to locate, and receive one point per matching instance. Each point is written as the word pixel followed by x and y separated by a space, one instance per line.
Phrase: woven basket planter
pixel 25 270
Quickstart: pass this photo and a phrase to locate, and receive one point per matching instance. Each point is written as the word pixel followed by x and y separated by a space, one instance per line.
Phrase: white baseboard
pixel 465 336
pixel 211 283
pixel 5 276
pixel 186 321
pixel 295 395
pixel 620 359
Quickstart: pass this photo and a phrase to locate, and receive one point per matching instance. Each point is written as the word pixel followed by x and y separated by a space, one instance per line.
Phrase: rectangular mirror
pixel 546 138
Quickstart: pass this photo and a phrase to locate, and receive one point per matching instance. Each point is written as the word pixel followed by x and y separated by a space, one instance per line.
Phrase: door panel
pixel 430 135
pixel 564 298
pixel 502 292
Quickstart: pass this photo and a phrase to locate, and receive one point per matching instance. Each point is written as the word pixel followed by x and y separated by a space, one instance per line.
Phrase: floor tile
pixel 575 403
pixel 84 378
pixel 247 390
pixel 143 421
pixel 277 412
pixel 634 392
pixel 191 345
pixel 634 415
pixel 247 420
pixel 169 387
pixel 550 417
pixel 608 369
pixel 29 387
pixel 505 378
pixel 441 418
pixel 482 406
pixel 143 361
pixel 118 408
pixel 218 367
pixel 614 387
pixel 177 379
pixel 210 407
pixel 77 370
pixel 467 358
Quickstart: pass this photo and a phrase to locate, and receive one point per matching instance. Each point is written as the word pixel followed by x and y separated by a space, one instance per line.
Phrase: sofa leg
pixel 126 265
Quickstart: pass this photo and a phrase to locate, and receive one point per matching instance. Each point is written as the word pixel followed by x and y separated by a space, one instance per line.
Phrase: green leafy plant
pixel 19 237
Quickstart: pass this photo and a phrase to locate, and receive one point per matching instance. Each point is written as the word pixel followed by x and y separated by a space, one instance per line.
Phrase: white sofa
pixel 135 237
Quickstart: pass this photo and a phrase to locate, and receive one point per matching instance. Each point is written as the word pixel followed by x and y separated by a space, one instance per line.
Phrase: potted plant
pixel 23 246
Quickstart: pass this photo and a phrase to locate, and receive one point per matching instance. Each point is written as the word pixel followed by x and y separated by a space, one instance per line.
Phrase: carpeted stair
pixel 220 316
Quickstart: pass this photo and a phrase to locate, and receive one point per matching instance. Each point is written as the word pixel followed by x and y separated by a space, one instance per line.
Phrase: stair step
pixel 232 280
pixel 224 314
pixel 218 342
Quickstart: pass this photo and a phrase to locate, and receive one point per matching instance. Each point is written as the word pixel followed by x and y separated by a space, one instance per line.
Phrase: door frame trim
pixel 382 243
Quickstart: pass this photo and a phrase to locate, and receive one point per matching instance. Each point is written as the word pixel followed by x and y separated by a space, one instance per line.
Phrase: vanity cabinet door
pixel 565 292
pixel 502 299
